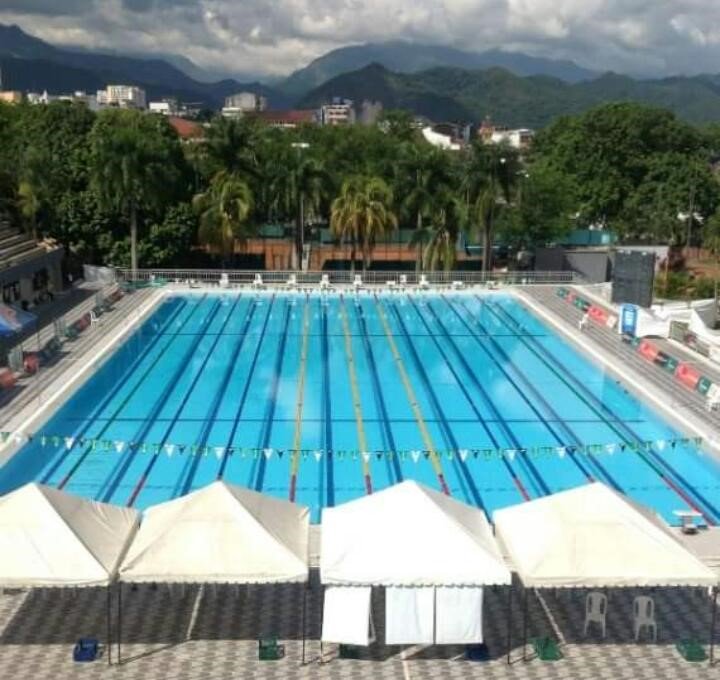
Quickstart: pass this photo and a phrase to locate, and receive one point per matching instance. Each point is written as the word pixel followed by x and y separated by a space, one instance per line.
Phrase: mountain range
pixel 441 83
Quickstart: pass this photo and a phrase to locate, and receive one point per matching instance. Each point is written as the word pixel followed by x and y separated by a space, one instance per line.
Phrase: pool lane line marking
pixel 356 399
pixel 412 398
pixel 387 433
pixel 447 432
pixel 245 392
pixel 617 425
pixel 110 486
pixel 264 441
pixel 327 410
pixel 108 400
pixel 487 335
pixel 193 461
pixel 509 434
pixel 299 403
pixel 209 422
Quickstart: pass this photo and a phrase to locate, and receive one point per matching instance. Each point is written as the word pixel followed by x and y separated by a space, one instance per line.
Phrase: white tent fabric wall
pixel 409 535
pixel 409 616
pixel 458 616
pixel 346 615
pixel 49 538
pixel 220 534
pixel 592 536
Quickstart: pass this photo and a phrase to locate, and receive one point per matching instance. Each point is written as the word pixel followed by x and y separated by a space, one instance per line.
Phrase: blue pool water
pixel 257 389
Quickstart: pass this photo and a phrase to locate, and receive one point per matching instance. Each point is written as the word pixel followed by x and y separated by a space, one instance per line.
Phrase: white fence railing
pixel 343 277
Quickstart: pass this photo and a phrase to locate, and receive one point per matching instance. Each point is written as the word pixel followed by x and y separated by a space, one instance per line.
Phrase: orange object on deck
pixel 648 350
pixel 687 375
pixel 31 363
pixel 598 314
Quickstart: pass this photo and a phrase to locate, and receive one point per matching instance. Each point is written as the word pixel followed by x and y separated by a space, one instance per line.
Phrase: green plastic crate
pixel 691 650
pixel 270 650
pixel 546 649
pixel 349 652
pixel 703 385
pixel 671 364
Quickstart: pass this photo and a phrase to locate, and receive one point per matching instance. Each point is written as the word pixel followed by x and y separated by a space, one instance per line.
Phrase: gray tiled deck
pixel 37 631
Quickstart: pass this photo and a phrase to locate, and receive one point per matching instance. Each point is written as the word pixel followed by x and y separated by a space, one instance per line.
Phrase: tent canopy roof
pixel 409 535
pixel 52 538
pixel 220 534
pixel 592 536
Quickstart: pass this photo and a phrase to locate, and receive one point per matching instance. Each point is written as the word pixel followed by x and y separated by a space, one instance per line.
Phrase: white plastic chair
pixel 94 319
pixel 595 610
pixel 224 281
pixel 403 280
pixel 292 281
pixel 390 284
pixel 324 282
pixel 644 616
pixel 357 282
pixel 458 285
pixel 257 281
pixel 424 283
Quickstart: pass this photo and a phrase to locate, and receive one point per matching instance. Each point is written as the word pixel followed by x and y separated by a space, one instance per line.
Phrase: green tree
pixel 224 210
pixel 447 220
pixel 361 213
pixel 136 163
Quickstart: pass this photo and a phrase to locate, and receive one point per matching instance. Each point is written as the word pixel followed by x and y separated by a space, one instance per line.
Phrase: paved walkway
pixel 211 635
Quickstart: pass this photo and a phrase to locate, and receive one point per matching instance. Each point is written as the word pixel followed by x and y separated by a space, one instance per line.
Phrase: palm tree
pixel 133 162
pixel 232 146
pixel 224 210
pixel 362 213
pixel 28 202
pixel 297 187
pixel 447 220
pixel 32 187
pixel 490 179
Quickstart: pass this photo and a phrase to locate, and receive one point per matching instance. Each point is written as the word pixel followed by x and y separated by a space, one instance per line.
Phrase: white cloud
pixel 276 36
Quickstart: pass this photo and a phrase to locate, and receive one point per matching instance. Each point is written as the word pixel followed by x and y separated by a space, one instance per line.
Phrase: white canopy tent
pixel 52 538
pixel 220 534
pixel 424 547
pixel 592 536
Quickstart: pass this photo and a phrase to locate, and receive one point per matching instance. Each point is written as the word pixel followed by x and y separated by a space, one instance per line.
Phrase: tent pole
pixel 119 619
pixel 509 623
pixel 322 614
pixel 525 621
pixel 713 619
pixel 304 607
pixel 108 615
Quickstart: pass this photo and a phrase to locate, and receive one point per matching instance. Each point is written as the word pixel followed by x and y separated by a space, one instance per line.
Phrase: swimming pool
pixel 323 398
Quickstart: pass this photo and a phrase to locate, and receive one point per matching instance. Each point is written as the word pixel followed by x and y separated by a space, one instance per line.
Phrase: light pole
pixel 300 236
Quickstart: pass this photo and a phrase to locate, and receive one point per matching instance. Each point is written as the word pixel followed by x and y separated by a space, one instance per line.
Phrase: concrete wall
pixel 593 265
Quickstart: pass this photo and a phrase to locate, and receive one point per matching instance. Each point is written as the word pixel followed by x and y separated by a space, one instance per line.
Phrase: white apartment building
pixel 237 105
pixel 166 107
pixel 338 112
pixel 123 96
pixel 517 139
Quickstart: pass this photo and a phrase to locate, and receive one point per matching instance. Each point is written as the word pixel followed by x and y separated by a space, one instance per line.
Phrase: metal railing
pixel 342 277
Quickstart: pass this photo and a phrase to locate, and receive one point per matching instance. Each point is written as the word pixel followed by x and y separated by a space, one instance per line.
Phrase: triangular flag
pixel 660 443
pixel 561 451
pixel 69 442
pixel 415 455
pixel 267 453
pixel 119 446
pixel 318 455
pixel 43 440
pixel 365 456
pixel 169 449
pixel 610 448
pixel 19 437
pixel 219 451
pixel 510 453
pixel 463 453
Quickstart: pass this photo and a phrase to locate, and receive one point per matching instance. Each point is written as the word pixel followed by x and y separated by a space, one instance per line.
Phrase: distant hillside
pixel 31 64
pixel 463 95
pixel 403 57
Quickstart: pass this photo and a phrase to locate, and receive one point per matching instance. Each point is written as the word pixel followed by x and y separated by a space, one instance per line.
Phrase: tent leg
pixel 304 608
pixel 713 620
pixel 322 613
pixel 119 620
pixel 509 623
pixel 525 622
pixel 108 614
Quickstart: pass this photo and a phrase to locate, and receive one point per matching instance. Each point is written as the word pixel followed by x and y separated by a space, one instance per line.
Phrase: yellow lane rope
pixel 297 438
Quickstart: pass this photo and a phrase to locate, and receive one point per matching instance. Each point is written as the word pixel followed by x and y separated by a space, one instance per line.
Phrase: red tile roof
pixel 186 129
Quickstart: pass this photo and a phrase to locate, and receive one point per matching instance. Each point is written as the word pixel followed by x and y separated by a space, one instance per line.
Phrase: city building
pixel 520 138
pixel 165 107
pixel 440 139
pixel 288 119
pixel 11 96
pixel 338 112
pixel 122 96
pixel 238 105
pixel 370 112
pixel 89 100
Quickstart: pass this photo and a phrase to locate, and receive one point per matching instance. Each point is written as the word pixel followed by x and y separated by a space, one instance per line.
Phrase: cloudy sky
pixel 654 37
